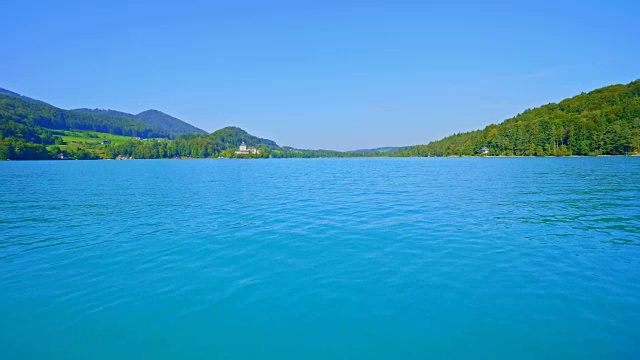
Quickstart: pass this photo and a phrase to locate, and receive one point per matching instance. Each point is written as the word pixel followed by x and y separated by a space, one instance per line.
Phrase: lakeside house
pixel 244 150
pixel 484 150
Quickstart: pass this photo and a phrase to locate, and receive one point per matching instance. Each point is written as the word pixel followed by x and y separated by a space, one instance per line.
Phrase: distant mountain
pixel 152 118
pixel 20 112
pixel 381 150
pixel 159 120
pixel 605 121
pixel 31 112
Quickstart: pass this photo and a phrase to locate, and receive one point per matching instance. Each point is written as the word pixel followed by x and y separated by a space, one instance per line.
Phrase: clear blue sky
pixel 324 74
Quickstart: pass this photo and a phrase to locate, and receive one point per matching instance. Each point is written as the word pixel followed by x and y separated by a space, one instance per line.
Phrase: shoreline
pixel 350 157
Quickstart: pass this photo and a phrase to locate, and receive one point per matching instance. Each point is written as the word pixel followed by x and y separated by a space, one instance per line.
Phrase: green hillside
pixel 84 144
pixel 38 114
pixel 605 121
pixel 152 118
pixel 16 95
pixel 159 120
pixel 32 129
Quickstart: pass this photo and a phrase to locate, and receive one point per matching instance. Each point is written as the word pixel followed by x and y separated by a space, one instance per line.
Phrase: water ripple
pixel 360 257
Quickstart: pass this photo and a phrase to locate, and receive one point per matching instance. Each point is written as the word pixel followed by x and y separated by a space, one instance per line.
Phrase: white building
pixel 244 150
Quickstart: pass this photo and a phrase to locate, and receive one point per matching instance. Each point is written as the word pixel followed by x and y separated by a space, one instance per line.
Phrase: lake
pixel 321 258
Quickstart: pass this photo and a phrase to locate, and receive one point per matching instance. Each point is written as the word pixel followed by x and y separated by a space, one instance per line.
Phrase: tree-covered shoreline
pixel 605 121
pixel 221 143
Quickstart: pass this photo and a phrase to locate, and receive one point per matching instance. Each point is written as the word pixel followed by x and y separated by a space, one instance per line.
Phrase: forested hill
pixel 20 112
pixel 19 109
pixel 152 118
pixel 16 95
pixel 159 120
pixel 234 136
pixel 605 121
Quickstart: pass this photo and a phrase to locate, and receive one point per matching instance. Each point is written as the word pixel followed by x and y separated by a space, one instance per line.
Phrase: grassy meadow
pixel 88 140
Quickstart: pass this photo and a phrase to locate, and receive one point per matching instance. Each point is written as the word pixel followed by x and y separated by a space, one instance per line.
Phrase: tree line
pixel 221 143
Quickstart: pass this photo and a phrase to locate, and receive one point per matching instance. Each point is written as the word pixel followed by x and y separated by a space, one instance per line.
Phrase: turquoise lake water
pixel 321 258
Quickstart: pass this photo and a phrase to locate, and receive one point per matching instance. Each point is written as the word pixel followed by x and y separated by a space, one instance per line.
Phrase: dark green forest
pixel 34 114
pixel 152 118
pixel 605 121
